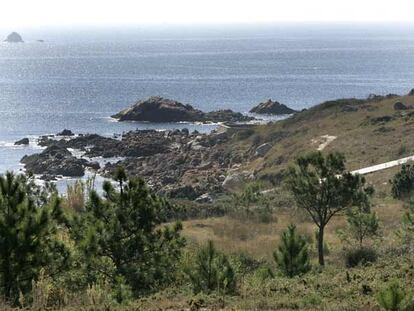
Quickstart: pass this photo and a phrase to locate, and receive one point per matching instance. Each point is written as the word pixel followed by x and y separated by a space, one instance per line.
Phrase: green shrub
pixel 251 205
pixel 395 298
pixel 312 300
pixel 243 264
pixel 360 256
pixel 264 273
pixel 402 150
pixel 292 255
pixel 210 271
pixel 403 182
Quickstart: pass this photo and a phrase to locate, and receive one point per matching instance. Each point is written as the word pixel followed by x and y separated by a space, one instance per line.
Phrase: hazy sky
pixel 24 13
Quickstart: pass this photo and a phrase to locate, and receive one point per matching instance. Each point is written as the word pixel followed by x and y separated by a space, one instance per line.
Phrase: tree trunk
pixel 320 246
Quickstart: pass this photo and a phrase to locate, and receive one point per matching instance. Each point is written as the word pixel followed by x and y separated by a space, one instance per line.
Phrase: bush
pixel 395 298
pixel 244 264
pixel 403 182
pixel 292 256
pixel 251 205
pixel 360 256
pixel 210 271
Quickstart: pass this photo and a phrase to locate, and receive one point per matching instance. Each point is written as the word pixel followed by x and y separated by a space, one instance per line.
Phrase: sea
pixel 77 77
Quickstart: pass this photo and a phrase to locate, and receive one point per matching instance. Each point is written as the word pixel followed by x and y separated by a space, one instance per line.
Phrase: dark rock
pixel 400 106
pixel 411 93
pixel 158 109
pixel 93 165
pixel 348 108
pixel 184 192
pixel 65 132
pixel 54 160
pixel 272 107
pixel 174 163
pixel 14 37
pixel 23 141
pixel 226 115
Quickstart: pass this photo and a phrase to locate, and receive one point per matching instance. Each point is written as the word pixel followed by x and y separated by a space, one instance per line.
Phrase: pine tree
pixel 403 182
pixel 211 271
pixel 323 188
pixel 395 298
pixel 362 224
pixel 28 236
pixel 122 236
pixel 292 255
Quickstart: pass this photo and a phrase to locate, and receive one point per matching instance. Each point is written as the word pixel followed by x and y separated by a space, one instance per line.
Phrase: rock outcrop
pixel 272 107
pixel 23 141
pixel 175 163
pixel 65 132
pixel 54 161
pixel 14 37
pixel 158 109
pixel 400 106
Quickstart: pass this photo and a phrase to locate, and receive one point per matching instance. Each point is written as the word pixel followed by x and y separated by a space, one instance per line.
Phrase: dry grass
pixel 363 141
pixel 255 239
pixel 259 240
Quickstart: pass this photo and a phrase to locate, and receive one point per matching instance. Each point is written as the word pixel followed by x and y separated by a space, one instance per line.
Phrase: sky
pixel 39 13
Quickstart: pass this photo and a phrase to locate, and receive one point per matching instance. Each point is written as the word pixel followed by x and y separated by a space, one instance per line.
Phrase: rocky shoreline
pixel 175 163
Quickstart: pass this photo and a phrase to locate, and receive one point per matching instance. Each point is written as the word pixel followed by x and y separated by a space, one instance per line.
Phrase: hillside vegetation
pixel 367 132
pixel 298 233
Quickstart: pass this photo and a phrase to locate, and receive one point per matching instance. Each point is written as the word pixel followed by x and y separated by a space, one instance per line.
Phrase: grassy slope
pixel 358 138
pixel 364 143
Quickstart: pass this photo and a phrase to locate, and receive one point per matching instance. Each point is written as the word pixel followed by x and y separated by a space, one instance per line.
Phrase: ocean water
pixel 77 78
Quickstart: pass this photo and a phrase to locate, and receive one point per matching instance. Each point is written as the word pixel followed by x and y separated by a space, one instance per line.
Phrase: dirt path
pixel 382 166
pixel 323 141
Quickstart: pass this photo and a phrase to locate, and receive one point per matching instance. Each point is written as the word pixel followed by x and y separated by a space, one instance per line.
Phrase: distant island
pixel 14 37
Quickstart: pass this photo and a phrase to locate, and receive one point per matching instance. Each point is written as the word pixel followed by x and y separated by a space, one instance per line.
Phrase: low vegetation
pixel 320 239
